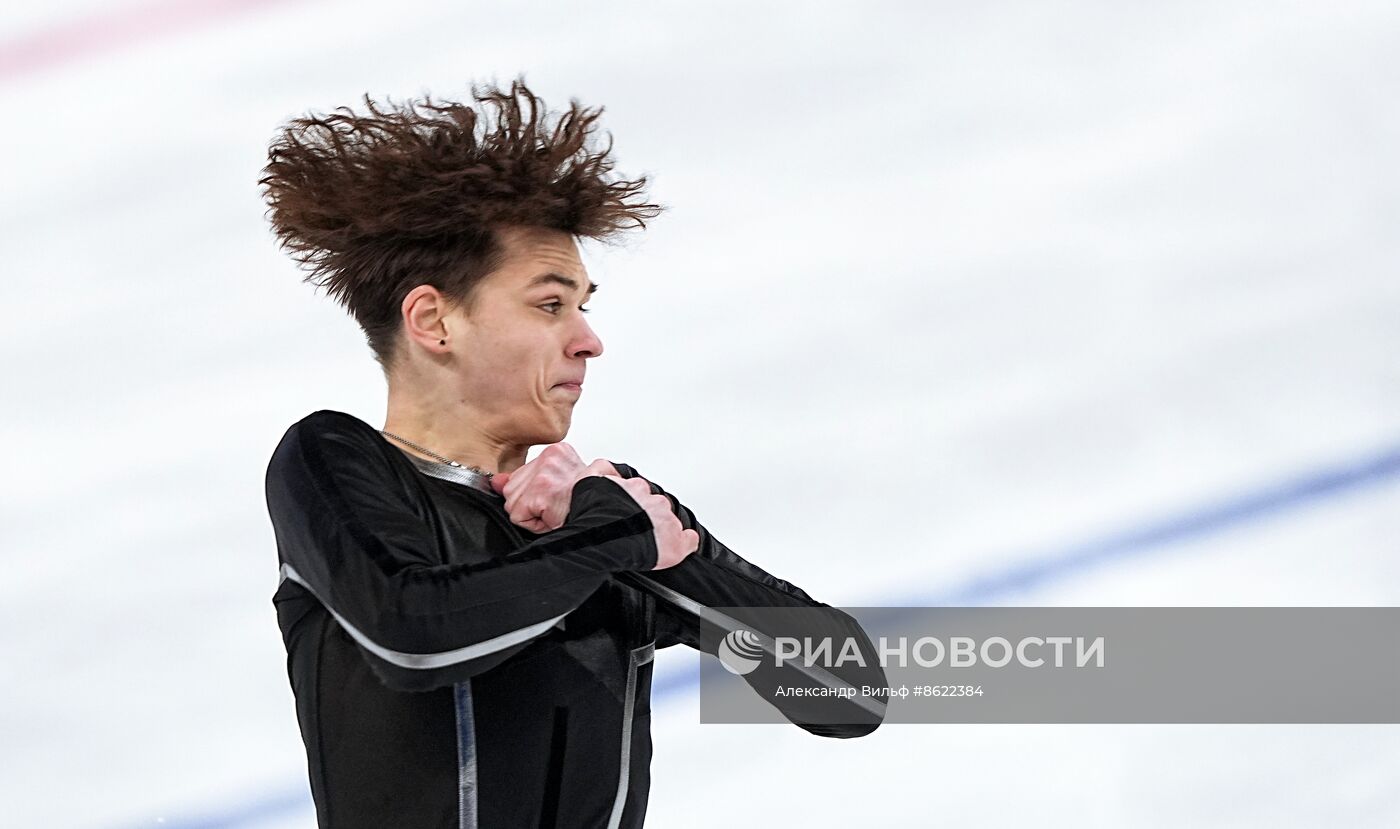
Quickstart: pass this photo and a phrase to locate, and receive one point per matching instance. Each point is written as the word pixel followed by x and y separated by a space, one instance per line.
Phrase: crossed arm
pixel 352 542
pixel 714 576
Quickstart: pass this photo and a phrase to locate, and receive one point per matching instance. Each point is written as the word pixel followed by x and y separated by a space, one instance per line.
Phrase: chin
pixel 552 435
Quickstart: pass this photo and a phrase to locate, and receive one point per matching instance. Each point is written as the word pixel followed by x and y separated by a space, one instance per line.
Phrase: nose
pixel 585 343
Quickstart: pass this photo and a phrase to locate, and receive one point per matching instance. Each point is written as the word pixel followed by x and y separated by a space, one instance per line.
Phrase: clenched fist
pixel 673 542
pixel 538 495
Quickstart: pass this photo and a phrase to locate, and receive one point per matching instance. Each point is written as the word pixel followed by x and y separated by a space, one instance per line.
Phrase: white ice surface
pixel 942 287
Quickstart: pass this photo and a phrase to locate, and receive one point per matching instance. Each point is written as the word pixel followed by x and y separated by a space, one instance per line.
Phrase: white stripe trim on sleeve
pixel 727 623
pixel 427 661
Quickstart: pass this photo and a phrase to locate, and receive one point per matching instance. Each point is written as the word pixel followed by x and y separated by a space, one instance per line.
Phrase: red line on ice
pixel 90 36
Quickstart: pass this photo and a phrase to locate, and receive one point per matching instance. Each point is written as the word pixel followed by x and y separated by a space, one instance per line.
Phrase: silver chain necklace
pixel 478 470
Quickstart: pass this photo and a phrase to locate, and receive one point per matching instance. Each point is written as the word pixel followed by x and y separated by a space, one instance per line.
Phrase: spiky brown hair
pixel 373 204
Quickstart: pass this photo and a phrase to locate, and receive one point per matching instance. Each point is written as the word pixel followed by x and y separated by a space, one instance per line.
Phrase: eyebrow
pixel 560 279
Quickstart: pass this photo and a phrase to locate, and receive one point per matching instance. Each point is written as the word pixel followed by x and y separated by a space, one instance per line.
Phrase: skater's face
pixel 522 347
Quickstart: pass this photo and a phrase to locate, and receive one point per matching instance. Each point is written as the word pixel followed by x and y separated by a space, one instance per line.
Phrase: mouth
pixel 573 387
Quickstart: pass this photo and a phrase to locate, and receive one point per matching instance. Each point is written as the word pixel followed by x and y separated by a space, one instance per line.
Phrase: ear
pixel 426 319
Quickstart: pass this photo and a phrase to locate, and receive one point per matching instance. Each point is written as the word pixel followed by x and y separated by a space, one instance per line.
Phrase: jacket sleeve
pixel 714 576
pixel 349 533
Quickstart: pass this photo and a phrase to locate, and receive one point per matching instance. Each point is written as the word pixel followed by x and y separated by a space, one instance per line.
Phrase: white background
pixel 945 292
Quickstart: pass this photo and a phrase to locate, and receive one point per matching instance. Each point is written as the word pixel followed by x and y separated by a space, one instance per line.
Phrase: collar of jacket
pixel 459 474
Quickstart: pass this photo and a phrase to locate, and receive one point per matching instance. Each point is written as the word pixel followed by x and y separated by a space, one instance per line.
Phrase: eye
pixel 553 306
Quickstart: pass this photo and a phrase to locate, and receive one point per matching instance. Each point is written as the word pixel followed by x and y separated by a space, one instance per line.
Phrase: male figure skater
pixel 469 636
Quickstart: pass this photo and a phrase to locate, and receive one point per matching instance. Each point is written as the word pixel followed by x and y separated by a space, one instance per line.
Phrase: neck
pixel 451 430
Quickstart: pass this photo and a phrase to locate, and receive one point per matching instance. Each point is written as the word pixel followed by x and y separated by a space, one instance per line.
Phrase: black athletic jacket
pixel 452 669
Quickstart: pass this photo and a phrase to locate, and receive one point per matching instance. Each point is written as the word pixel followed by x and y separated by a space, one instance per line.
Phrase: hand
pixel 538 493
pixel 673 542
